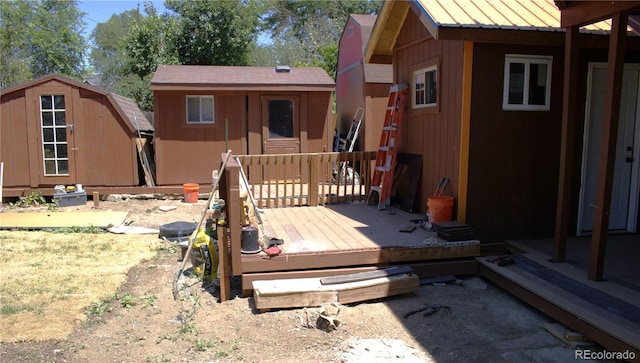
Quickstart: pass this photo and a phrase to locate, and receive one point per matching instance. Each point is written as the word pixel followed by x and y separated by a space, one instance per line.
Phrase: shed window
pixel 200 110
pixel 527 83
pixel 425 83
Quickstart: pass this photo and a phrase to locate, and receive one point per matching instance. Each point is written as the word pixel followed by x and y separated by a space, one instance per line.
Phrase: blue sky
pixel 99 11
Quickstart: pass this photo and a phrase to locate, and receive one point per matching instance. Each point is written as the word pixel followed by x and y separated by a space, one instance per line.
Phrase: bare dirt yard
pixel 476 322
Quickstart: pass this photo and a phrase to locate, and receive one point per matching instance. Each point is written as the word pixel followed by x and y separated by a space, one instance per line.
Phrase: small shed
pixel 360 84
pixel 485 109
pixel 56 130
pixel 199 111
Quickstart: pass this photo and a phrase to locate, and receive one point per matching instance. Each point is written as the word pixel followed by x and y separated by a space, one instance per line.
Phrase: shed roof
pixel 125 107
pixel 171 77
pixel 522 15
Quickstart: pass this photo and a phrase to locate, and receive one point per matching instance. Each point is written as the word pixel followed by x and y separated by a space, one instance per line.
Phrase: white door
pixel 624 193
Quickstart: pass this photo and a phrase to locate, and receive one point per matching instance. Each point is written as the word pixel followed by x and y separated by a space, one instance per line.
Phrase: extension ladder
pixel 382 179
pixel 346 174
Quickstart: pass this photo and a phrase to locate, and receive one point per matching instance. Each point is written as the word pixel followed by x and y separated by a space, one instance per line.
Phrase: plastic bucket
pixel 191 192
pixel 440 208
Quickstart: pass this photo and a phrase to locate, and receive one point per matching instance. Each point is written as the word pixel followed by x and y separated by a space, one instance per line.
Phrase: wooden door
pixel 56 137
pixel 280 124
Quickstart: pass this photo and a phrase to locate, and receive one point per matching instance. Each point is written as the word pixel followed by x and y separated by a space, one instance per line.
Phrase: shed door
pixel 280 125
pixel 624 192
pixel 56 139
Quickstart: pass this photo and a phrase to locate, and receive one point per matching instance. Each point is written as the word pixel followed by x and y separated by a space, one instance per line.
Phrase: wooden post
pixel 223 261
pixel 608 144
pixel 96 199
pixel 314 161
pixel 567 143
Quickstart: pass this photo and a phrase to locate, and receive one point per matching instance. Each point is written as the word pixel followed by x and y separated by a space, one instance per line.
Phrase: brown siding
pixel 101 146
pixel 188 153
pixel 513 161
pixel 375 110
pixel 434 135
pixel 14 140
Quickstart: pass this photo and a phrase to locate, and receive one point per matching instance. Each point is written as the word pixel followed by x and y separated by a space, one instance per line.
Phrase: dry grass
pixel 48 280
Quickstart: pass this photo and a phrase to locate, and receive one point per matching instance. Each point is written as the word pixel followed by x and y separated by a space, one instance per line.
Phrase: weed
pixel 100 307
pixel 17 309
pixel 204 345
pixel 127 301
pixel 75 229
pixel 34 199
pixel 148 300
pixel 161 358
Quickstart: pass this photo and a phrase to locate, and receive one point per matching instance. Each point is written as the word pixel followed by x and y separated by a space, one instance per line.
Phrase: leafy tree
pixel 40 37
pixel 57 44
pixel 107 53
pixel 14 23
pixel 213 32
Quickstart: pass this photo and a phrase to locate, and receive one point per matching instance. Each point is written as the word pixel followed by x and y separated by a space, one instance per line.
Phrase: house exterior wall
pixel 375 109
pixel 513 155
pixel 433 133
pixel 101 147
pixel 188 153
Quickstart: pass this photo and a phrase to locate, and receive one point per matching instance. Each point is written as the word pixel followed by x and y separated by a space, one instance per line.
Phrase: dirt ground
pixel 476 322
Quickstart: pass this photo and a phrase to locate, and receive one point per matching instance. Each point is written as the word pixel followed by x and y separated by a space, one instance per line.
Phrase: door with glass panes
pixel 281 125
pixel 56 141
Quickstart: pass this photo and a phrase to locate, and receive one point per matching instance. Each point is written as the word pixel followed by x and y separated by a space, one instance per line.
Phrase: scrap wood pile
pixel 342 289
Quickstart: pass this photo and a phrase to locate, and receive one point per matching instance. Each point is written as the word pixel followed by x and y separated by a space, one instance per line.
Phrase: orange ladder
pixel 382 179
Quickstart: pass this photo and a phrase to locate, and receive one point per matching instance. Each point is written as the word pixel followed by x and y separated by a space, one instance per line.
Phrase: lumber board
pixel 61 219
pixel 308 292
pixel 361 276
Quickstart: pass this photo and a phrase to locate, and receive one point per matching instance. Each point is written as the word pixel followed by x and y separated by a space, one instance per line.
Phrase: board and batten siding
pixel 513 155
pixel 432 133
pixel 188 153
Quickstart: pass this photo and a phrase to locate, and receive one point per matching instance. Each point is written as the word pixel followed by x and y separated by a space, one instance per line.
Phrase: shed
pixel 202 110
pixel 489 111
pixel 360 84
pixel 56 130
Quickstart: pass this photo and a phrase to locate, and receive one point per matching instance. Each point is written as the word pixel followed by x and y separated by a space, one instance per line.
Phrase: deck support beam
pixel 567 143
pixel 608 144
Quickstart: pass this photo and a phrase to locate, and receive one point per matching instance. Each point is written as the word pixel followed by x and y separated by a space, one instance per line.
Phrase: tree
pixel 107 53
pixel 213 32
pixel 14 40
pixel 312 27
pixel 57 45
pixel 40 37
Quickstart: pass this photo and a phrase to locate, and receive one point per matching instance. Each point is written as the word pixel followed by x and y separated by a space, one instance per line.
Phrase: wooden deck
pixel 607 312
pixel 353 235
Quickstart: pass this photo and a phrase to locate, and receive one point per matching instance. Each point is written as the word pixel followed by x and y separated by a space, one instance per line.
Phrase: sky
pixel 99 11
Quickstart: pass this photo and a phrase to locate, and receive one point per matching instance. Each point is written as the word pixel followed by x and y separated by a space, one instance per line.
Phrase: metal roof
pixel 541 15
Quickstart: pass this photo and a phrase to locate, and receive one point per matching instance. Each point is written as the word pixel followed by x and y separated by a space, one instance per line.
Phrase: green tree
pixel 15 17
pixel 107 54
pixel 57 45
pixel 40 37
pixel 213 32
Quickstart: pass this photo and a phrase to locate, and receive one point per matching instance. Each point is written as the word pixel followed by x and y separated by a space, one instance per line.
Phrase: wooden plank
pixel 386 272
pixel 62 219
pixel 604 320
pixel 310 292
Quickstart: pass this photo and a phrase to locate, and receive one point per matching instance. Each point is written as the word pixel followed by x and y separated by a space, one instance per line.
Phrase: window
pixel 53 123
pixel 425 89
pixel 200 110
pixel 280 119
pixel 527 83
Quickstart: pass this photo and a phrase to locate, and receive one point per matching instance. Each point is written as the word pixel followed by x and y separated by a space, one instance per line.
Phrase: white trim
pixel 199 122
pixel 424 70
pixel 527 60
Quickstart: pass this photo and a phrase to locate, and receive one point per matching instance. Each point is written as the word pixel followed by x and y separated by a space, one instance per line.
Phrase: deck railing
pixel 283 180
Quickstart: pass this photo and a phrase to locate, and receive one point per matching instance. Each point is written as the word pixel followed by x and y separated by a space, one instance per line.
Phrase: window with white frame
pixel 425 82
pixel 527 83
pixel 200 110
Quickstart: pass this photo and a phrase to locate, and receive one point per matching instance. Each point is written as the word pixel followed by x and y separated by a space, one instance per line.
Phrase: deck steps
pixel 310 292
pixel 582 305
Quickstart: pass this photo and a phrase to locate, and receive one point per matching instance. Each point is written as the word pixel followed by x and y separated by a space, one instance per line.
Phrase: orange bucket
pixel 439 208
pixel 191 192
